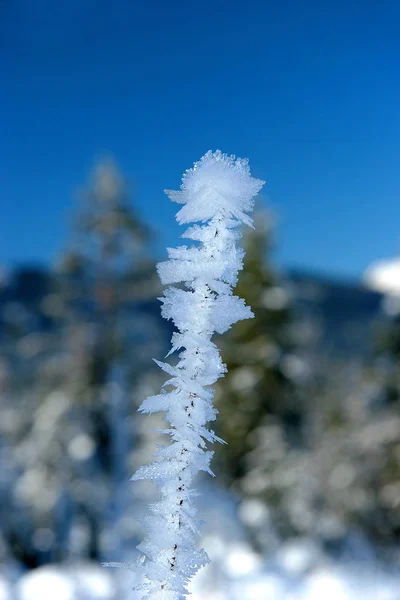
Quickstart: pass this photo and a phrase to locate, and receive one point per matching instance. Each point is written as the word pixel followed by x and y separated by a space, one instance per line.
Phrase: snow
pixel 46 582
pixel 241 560
pixel 384 276
pixel 298 557
pixel 216 182
pixel 297 570
pixel 5 588
pixel 217 191
pixel 78 581
pixel 245 578
pixel 341 583
pixel 329 583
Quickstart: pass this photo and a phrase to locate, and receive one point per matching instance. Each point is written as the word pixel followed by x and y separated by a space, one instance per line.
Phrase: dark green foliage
pixel 258 384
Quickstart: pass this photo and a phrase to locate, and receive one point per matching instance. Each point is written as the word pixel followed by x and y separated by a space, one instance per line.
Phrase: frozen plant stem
pixel 217 192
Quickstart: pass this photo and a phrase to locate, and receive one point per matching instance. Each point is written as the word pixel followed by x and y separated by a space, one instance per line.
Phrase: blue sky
pixel 309 91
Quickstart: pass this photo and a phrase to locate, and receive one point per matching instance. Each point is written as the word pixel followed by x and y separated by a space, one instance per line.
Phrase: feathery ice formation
pixel 217 192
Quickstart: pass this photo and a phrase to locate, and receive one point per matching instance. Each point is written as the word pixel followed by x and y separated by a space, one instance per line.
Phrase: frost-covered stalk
pixel 218 192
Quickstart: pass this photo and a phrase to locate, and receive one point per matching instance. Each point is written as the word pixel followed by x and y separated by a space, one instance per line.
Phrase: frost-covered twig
pixel 218 192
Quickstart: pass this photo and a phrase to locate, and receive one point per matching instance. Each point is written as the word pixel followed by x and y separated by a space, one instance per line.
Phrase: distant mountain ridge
pixel 343 314
pixel 347 314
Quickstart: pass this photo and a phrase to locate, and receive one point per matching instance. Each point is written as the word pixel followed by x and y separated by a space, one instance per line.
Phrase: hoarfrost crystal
pixel 217 192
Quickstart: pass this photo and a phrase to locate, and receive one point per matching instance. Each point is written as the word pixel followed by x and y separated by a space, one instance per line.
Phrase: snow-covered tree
pixel 71 391
pixel 217 192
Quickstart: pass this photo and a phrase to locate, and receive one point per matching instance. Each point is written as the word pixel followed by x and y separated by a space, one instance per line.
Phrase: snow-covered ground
pixel 296 575
pixel 296 570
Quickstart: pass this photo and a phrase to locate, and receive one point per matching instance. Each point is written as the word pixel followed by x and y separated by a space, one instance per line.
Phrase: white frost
pixel 384 276
pixel 218 191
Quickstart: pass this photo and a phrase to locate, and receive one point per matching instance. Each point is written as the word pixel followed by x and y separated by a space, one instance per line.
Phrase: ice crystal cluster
pixel 218 193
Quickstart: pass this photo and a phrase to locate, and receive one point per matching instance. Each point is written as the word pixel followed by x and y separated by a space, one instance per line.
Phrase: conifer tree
pixel 106 284
pixel 259 386
pixel 102 309
pixel 385 413
pixel 106 270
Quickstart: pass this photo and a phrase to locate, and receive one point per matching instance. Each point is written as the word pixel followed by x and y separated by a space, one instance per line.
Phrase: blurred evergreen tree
pixel 74 445
pixel 388 354
pixel 342 484
pixel 385 410
pixel 260 354
pixel 107 270
pixel 313 456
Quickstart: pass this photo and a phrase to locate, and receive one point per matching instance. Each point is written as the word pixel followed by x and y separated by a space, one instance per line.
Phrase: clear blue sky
pixel 309 91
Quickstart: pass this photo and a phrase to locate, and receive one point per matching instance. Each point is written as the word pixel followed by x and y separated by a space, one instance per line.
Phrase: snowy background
pixel 306 498
pixel 105 105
